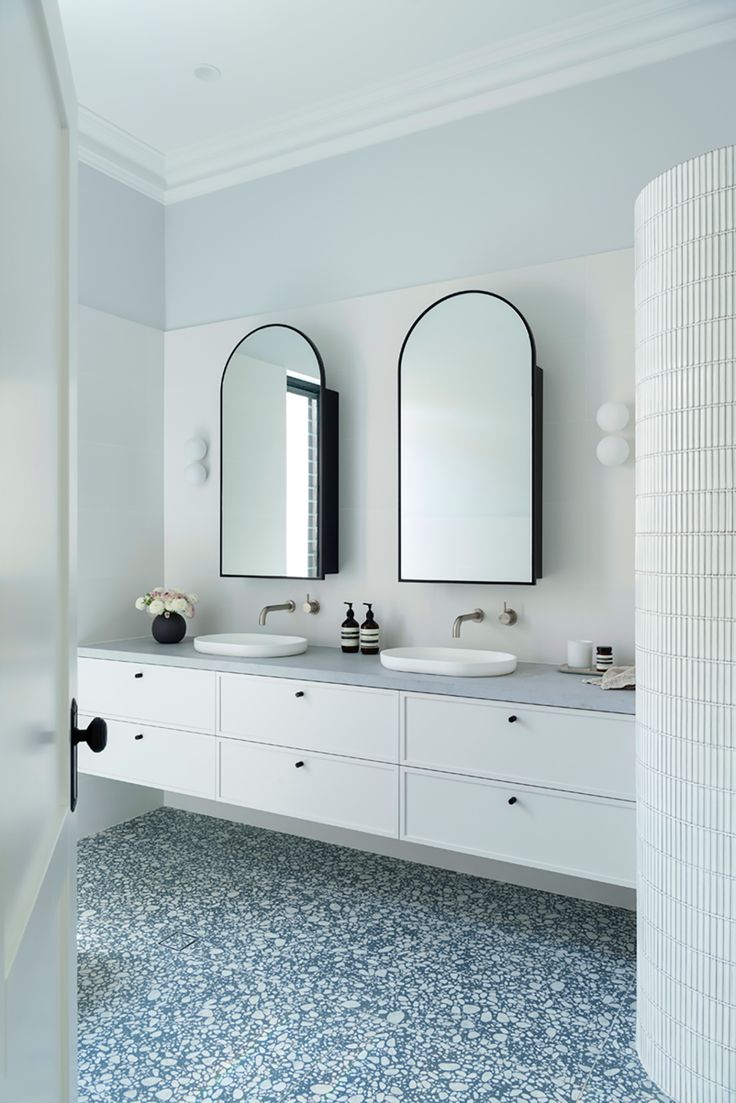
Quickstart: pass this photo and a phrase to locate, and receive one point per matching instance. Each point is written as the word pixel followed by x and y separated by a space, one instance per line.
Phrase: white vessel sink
pixel 452 662
pixel 250 645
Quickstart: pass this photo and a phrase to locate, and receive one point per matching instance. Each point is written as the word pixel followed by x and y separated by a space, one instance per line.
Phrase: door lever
pixel 95 736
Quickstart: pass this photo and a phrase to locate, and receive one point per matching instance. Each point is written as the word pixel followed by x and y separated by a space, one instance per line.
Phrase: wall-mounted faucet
pixel 290 606
pixel 476 615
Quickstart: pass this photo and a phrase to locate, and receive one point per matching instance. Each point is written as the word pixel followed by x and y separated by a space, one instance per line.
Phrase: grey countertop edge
pixel 530 684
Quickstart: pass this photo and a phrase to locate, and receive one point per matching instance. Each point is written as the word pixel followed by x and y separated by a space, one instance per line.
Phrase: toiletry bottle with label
pixel 350 632
pixel 369 632
pixel 603 658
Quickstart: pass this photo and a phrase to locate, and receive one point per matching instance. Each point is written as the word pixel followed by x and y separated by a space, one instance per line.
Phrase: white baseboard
pixel 577 887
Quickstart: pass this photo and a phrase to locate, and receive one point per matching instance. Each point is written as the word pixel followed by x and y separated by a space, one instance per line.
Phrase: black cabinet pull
pixel 298 764
pixel 299 693
pixel 513 719
pixel 139 735
pixel 139 675
pixel 513 800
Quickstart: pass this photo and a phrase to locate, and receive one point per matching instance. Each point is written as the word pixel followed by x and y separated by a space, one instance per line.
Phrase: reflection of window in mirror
pixel 301 476
pixel 279 459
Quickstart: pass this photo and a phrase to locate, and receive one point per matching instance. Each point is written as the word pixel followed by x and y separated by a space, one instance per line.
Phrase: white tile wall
pixel 686 627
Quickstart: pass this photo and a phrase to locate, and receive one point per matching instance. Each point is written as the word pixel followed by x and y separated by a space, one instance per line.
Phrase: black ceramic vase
pixel 169 628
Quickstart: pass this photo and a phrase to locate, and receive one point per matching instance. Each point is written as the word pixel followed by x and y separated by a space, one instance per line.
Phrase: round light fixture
pixel 207 73
pixel 196 474
pixel 612 451
pixel 612 417
pixel 195 449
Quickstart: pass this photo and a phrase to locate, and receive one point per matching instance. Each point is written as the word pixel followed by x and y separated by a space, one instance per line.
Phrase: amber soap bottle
pixel 369 632
pixel 349 632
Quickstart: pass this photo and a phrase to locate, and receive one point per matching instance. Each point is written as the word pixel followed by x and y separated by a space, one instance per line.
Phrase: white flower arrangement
pixel 163 601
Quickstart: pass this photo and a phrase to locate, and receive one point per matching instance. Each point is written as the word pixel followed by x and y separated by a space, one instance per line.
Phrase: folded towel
pixel 618 677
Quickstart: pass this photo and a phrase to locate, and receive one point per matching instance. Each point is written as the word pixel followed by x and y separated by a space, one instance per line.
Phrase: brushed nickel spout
pixel 476 615
pixel 290 606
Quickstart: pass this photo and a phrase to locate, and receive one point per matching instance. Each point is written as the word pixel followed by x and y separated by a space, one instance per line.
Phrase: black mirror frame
pixel 328 470
pixel 536 440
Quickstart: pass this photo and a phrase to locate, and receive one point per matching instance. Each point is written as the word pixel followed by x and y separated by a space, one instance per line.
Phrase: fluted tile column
pixel 686 627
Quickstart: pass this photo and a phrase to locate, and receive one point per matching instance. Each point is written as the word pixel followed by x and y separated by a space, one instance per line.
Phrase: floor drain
pixel 179 940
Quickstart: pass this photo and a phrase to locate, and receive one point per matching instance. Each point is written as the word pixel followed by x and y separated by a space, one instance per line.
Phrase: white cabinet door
pixel 38 305
pixel 585 752
pixel 173 696
pixel 581 836
pixel 344 720
pixel 322 788
pixel 184 762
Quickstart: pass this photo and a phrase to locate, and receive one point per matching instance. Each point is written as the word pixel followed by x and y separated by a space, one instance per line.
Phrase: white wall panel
pixel 686 627
pixel 581 313
pixel 120 538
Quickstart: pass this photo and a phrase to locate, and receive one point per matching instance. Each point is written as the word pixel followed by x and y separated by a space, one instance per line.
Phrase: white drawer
pixel 342 791
pixel 344 720
pixel 581 836
pixel 165 759
pixel 170 695
pixel 563 748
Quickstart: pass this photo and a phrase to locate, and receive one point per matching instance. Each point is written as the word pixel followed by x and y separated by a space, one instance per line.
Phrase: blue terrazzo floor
pixel 219 962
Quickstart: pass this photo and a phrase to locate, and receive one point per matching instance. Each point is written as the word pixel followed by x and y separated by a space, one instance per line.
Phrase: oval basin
pixel 251 645
pixel 452 662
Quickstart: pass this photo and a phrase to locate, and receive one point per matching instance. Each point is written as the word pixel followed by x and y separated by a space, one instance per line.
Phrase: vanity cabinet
pixel 343 720
pixel 164 758
pixel 546 787
pixel 568 832
pixel 345 792
pixel 174 696
pixel 583 752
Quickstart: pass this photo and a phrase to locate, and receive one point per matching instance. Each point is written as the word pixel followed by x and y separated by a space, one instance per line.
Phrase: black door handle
pixel 513 719
pixel 299 693
pixel 139 675
pixel 513 800
pixel 95 736
pixel 138 736
pixel 298 764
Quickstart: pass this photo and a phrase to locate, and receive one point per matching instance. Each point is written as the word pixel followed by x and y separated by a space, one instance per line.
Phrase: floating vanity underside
pixel 534 768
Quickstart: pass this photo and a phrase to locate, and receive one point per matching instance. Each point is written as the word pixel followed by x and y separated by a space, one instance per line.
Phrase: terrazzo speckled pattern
pixel 219 962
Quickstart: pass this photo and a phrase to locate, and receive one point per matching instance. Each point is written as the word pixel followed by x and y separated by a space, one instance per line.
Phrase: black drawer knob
pixel 139 675
pixel 513 800
pixel 138 736
pixel 513 719
pixel 298 764
pixel 299 693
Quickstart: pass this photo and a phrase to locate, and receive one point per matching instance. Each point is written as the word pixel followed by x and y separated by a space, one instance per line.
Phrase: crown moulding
pixel 621 36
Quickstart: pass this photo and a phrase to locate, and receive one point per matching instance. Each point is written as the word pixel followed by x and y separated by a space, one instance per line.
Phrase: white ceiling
pixel 133 59
pixel 303 79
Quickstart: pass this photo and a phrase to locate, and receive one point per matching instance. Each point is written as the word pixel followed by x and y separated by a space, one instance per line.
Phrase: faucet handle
pixel 508 616
pixel 310 606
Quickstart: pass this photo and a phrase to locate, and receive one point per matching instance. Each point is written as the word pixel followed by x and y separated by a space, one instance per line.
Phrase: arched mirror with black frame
pixel 278 459
pixel 470 444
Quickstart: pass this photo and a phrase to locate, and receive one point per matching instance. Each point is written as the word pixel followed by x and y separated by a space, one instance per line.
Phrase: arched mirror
pixel 279 459
pixel 470 444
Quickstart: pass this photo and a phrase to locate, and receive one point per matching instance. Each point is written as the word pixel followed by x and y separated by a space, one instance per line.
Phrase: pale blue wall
pixel 121 250
pixel 546 179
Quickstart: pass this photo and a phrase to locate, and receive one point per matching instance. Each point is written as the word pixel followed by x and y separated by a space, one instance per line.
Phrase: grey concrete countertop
pixel 530 684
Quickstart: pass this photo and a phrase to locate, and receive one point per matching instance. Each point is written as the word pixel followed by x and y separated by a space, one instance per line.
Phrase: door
pixel 37 304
